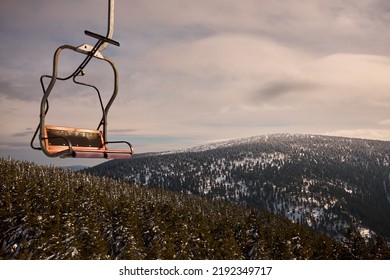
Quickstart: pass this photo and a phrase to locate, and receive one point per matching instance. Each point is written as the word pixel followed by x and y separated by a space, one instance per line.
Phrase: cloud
pixel 27 132
pixel 231 81
pixel 275 89
pixel 384 122
pixel 16 88
pixel 203 69
pixel 223 67
pixel 326 26
pixel 122 131
pixel 375 134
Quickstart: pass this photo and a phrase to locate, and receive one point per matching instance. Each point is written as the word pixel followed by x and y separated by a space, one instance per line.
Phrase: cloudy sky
pixel 193 72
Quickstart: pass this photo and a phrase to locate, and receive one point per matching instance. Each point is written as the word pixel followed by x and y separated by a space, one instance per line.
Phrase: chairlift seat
pixel 58 141
pixel 80 143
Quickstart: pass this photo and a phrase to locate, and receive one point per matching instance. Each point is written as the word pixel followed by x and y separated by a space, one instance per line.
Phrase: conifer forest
pixel 51 213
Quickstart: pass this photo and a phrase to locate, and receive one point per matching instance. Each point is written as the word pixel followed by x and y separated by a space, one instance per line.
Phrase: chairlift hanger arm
pixel 110 24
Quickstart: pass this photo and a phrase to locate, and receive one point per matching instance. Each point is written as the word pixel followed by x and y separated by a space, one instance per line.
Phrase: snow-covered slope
pixel 325 182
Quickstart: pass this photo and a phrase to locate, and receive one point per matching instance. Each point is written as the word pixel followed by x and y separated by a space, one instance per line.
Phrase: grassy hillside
pixel 51 213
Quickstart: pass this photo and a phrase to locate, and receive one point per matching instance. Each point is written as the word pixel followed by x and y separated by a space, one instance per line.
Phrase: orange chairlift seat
pixel 60 141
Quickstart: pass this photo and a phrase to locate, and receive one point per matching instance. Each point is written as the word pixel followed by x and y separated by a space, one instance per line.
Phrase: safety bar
pixel 102 38
pixel 120 142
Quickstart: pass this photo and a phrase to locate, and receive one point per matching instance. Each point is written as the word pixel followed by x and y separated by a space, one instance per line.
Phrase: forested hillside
pixel 327 183
pixel 52 213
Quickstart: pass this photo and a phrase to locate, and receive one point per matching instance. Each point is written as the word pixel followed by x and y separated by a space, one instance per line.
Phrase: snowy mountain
pixel 75 167
pixel 327 183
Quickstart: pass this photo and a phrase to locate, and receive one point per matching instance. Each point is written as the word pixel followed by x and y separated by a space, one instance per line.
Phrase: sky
pixel 193 72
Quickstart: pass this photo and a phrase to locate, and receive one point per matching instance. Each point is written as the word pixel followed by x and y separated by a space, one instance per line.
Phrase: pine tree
pixel 354 244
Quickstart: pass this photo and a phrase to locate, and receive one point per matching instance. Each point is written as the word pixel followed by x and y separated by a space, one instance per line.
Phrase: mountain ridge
pixel 211 145
pixel 229 142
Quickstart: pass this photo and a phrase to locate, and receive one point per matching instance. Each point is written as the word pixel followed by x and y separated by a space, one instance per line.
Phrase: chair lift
pixel 64 142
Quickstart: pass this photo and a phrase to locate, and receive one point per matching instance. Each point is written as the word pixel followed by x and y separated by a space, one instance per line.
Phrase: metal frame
pixel 90 52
